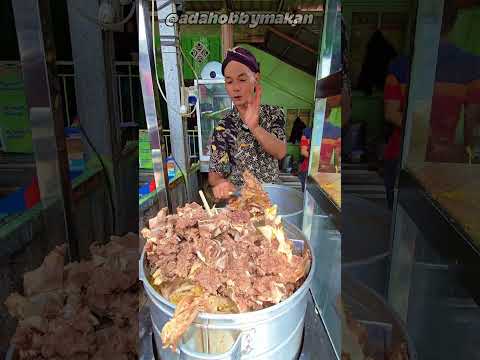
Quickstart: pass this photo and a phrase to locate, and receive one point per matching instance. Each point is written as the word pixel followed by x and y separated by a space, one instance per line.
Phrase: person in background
pixel 336 88
pixel 305 153
pixel 379 54
pixel 251 136
pixel 457 87
pixel 394 97
pixel 297 131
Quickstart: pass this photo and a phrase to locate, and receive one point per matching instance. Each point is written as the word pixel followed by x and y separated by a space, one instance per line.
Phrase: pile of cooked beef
pixel 253 199
pixel 84 310
pixel 225 263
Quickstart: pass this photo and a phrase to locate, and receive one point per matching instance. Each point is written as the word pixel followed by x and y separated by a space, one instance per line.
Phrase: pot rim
pixel 239 316
pixel 296 213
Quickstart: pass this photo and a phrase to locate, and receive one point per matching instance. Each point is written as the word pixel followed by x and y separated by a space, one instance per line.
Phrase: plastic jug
pixel 171 169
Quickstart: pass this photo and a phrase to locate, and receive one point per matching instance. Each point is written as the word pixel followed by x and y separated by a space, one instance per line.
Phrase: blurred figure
pixel 305 153
pixel 375 65
pixel 457 88
pixel 297 131
pixel 394 106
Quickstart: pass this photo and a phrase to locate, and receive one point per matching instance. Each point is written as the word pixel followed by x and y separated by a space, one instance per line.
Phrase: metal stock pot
pixel 274 333
pixel 289 202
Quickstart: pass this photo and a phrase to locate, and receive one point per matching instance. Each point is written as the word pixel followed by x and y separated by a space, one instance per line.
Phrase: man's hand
pixel 252 115
pixel 223 190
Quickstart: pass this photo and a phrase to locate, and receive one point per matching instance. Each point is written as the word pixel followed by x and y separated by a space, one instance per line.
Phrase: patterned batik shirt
pixel 234 149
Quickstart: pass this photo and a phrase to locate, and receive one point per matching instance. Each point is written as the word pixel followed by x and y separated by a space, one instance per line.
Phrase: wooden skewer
pixel 205 203
pixel 214 209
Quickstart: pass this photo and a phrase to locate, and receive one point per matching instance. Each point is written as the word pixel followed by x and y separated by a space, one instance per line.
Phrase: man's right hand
pixel 223 190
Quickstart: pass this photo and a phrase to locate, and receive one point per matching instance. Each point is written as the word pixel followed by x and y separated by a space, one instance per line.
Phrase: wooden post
pixel 227 38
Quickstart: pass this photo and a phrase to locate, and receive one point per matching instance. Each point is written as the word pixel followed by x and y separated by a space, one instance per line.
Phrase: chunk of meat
pixel 209 279
pixel 77 275
pixel 185 259
pixel 271 262
pixel 253 198
pixel 189 216
pixel 49 276
pixel 19 306
pixel 185 313
pixel 66 322
pixel 270 289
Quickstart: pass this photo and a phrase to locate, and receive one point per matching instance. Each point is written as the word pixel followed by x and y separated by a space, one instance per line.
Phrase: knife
pixel 236 193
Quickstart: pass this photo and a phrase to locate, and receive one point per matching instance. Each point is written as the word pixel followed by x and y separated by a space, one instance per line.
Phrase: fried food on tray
pixel 226 263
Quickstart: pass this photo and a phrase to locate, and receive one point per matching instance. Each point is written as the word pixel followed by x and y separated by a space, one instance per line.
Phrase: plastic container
pixel 171 169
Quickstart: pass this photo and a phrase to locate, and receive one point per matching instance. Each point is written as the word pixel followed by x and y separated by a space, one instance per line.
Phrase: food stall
pixel 436 250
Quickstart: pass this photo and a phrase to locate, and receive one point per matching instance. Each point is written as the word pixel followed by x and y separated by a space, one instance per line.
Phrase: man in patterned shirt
pixel 249 137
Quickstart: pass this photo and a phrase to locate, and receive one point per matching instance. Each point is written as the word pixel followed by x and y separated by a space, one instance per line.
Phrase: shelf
pixel 444 232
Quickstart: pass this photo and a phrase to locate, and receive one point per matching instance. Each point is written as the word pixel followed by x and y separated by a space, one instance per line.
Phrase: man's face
pixel 239 82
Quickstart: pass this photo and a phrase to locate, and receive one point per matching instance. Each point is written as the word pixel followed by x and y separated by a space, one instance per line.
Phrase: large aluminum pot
pixel 289 202
pixel 274 333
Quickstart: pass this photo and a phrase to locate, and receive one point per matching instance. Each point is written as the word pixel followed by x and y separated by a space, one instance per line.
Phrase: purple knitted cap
pixel 242 56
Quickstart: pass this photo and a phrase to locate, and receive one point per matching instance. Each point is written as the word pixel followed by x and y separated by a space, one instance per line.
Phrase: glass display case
pixel 213 102
pixel 443 113
pixel 436 238
pixel 321 218
pixel 325 152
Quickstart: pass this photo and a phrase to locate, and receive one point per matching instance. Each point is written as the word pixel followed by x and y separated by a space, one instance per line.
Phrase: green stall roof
pixel 283 84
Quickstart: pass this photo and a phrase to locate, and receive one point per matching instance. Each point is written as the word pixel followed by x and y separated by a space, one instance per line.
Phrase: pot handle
pixel 234 353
